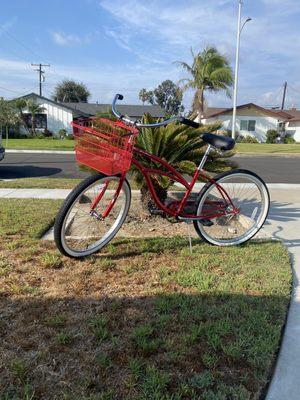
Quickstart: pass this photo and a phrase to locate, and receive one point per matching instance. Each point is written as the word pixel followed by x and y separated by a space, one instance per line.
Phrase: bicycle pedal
pixel 206 222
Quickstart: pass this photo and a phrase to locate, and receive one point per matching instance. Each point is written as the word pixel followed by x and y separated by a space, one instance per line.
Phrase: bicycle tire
pixel 69 202
pixel 207 189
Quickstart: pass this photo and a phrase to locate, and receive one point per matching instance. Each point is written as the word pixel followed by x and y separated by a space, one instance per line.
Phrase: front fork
pixel 100 195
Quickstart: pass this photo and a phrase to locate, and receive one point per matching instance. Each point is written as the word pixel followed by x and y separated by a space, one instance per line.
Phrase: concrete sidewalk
pixel 284 224
pixel 286 189
pixel 34 193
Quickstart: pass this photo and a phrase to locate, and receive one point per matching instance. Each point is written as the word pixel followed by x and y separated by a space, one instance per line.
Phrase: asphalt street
pixel 25 165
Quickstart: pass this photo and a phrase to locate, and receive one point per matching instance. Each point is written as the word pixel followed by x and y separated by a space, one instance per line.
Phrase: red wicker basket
pixel 104 145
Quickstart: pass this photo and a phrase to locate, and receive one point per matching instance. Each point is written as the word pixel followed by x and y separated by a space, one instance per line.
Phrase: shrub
pixel 249 139
pixel 14 133
pixel 224 132
pixel 47 133
pixel 239 138
pixel 289 140
pixel 62 133
pixel 272 136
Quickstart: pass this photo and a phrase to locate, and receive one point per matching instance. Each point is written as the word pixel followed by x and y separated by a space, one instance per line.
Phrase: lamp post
pixel 236 74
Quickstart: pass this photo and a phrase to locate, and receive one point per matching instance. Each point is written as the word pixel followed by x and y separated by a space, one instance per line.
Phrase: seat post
pixel 204 158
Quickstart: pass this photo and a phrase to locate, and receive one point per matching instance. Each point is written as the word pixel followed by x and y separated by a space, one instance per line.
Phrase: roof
pixel 272 113
pixel 130 110
pixel 90 109
pixel 211 111
pixel 294 113
pixel 64 105
pixel 284 115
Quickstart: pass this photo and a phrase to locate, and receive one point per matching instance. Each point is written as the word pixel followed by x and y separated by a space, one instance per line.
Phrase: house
pixel 255 120
pixel 58 116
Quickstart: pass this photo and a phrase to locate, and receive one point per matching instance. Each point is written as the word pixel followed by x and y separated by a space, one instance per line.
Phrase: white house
pixel 58 116
pixel 256 121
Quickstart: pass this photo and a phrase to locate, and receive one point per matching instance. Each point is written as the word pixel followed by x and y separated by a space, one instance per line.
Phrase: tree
pixel 8 116
pixel 167 95
pixel 20 105
pixel 177 144
pixel 209 71
pixel 34 108
pixel 71 91
pixel 145 96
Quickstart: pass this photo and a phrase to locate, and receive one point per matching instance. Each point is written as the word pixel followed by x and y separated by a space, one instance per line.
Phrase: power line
pixel 10 90
pixel 28 49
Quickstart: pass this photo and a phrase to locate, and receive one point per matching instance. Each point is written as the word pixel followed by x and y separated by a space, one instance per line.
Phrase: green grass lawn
pixel 144 320
pixel 39 144
pixel 51 144
pixel 267 148
pixel 43 183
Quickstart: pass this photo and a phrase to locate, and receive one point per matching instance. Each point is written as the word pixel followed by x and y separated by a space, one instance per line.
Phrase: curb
pixel 263 155
pixel 17 151
pixel 236 155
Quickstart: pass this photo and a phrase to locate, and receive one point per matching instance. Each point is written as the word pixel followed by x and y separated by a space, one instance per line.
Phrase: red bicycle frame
pixel 215 209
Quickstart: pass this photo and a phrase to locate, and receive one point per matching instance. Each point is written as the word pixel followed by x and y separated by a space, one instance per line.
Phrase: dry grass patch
pixel 144 320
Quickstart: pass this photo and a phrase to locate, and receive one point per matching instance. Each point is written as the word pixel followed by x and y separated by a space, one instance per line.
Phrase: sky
pixel 122 46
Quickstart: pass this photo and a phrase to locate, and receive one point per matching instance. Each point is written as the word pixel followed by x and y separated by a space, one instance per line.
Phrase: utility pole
pixel 284 95
pixel 240 27
pixel 41 74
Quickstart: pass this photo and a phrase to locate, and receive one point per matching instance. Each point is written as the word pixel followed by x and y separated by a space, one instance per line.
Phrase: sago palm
pixel 209 71
pixel 179 145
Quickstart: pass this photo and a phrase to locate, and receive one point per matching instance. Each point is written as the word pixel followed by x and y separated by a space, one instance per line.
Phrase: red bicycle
pixel 228 210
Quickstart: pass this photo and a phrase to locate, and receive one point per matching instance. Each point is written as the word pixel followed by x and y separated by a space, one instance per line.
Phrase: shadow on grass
pixel 123 248
pixel 157 245
pixel 164 346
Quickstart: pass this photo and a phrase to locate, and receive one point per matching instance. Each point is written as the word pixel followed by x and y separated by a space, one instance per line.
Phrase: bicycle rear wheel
pixel 80 230
pixel 250 196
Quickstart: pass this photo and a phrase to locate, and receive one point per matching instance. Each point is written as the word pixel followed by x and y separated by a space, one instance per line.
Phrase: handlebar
pixel 129 121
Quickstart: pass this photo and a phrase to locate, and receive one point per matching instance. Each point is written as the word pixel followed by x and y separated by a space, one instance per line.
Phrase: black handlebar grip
pixel 120 96
pixel 189 122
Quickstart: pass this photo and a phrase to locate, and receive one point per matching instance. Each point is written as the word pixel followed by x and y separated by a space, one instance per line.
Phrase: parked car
pixel 2 150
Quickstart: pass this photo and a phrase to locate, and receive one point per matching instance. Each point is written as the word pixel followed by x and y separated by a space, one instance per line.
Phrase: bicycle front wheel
pixel 249 196
pixel 80 228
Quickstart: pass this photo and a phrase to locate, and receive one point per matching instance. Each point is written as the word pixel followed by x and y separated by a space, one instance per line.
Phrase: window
pixel 248 125
pixel 40 120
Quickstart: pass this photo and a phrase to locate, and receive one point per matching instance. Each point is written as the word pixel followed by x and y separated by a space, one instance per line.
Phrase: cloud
pixel 63 39
pixel 158 32
pixel 170 26
pixel 153 33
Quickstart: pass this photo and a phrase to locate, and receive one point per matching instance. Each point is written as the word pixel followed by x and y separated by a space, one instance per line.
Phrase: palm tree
pixel 209 71
pixel 179 145
pixel 34 108
pixel 20 105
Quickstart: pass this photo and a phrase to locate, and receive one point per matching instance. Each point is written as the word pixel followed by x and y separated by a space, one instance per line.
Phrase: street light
pixel 236 74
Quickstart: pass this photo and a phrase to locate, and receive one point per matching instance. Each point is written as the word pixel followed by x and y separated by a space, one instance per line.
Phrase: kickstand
pixel 190 238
